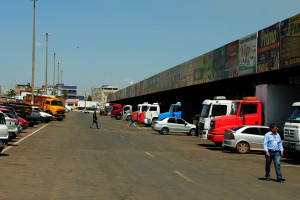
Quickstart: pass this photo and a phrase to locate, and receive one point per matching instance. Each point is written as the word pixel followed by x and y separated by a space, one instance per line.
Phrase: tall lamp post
pixel 47 34
pixel 57 78
pixel 33 55
pixel 54 74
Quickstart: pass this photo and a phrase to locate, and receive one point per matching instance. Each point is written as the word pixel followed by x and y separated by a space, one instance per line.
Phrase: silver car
pixel 172 124
pixel 245 138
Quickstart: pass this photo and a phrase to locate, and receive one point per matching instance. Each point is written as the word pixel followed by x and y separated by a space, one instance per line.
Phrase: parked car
pixel 245 138
pixel 85 111
pixel 3 132
pixel 172 124
pixel 12 125
pixel 44 117
pixel 23 122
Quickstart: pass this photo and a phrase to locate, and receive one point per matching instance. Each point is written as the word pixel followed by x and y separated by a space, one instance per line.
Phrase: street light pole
pixel 54 74
pixel 47 34
pixel 57 78
pixel 33 55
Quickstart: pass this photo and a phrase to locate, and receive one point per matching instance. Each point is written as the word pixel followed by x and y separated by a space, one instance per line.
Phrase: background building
pixel 100 94
pixel 71 91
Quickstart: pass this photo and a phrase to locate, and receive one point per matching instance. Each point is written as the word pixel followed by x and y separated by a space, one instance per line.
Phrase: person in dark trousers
pixel 131 120
pixel 274 150
pixel 94 120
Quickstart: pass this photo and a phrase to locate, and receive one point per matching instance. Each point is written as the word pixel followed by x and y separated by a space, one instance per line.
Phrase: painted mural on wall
pixel 268 48
pixel 290 42
pixel 198 70
pixel 247 55
pixel 219 63
pixel 208 67
pixel 190 72
pixel 231 62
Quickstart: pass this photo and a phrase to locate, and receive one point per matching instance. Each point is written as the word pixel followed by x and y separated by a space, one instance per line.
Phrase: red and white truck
pixel 271 105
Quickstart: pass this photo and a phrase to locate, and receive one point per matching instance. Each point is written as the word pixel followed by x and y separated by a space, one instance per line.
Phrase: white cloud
pixel 128 80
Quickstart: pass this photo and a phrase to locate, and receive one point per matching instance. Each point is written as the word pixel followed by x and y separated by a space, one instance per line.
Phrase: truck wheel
pixel 118 117
pixel 165 131
pixel 193 132
pixel 242 147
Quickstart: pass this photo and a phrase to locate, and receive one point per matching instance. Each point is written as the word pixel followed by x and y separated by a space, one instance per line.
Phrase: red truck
pixel 116 111
pixel 244 112
pixel 271 105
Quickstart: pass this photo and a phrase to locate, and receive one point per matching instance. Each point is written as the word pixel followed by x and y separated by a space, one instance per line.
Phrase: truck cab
pixel 116 111
pixel 211 109
pixel 292 130
pixel 243 112
pixel 152 113
pixel 140 113
pixel 175 111
pixel 126 112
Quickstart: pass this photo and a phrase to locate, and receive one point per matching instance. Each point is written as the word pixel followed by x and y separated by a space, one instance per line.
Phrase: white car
pixel 245 138
pixel 12 125
pixel 3 132
pixel 45 117
pixel 172 124
pixel 85 111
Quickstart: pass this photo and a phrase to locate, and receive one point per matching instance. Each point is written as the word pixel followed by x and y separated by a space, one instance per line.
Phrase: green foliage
pixel 89 98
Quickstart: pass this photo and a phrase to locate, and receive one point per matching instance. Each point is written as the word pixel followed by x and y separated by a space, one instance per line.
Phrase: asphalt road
pixel 68 160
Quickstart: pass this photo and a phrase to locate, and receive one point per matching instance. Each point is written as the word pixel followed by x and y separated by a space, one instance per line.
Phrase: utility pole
pixel 33 55
pixel 46 87
pixel 57 78
pixel 54 74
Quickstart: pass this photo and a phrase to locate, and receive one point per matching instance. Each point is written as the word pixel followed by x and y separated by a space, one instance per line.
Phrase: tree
pixel 89 98
pixel 65 94
pixel 39 91
pixel 11 93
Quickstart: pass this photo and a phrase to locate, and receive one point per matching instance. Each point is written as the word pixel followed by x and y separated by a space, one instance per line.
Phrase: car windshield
pixel 56 103
pixel 296 115
pixel 234 108
pixel 144 108
pixel 205 111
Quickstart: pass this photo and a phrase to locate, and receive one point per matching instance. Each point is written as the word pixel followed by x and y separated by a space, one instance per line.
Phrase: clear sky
pixel 118 42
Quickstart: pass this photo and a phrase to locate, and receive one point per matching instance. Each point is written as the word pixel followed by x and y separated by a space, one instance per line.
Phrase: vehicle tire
pixel 59 119
pixel 128 118
pixel 242 147
pixel 118 117
pixel 165 131
pixel 219 144
pixel 47 120
pixel 193 132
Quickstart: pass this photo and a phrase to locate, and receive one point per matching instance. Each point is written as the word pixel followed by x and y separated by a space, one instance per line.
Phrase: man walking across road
pixel 94 120
pixel 274 150
pixel 131 120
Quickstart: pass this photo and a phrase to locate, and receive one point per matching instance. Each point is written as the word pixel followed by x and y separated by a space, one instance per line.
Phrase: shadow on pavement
pixel 3 154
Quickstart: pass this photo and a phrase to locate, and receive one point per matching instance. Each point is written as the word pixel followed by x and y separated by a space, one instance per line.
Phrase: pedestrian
pixel 94 120
pixel 274 150
pixel 131 120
